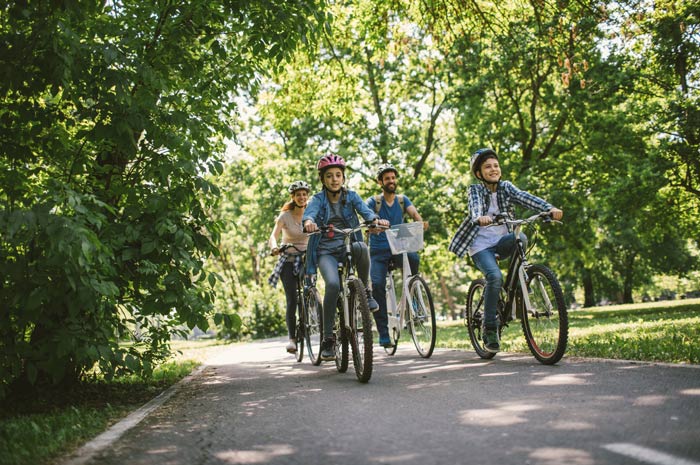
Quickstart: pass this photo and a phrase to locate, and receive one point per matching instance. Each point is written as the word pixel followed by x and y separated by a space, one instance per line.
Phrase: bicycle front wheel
pixel 474 316
pixel 313 310
pixel 361 332
pixel 546 323
pixel 421 321
pixel 299 331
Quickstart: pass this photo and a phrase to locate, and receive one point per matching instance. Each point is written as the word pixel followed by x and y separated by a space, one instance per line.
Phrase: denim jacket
pixel 479 199
pixel 318 211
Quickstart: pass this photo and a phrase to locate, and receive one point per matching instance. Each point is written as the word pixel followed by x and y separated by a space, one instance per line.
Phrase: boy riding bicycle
pixel 391 207
pixel 488 199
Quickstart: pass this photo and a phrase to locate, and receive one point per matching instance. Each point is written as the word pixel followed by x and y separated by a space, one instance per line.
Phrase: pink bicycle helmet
pixel 329 160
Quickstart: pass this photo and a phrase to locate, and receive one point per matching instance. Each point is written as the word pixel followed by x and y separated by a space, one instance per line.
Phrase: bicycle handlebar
pixel 502 219
pixel 331 230
pixel 283 247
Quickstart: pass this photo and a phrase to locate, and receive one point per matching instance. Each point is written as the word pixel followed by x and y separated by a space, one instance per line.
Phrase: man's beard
pixel 389 188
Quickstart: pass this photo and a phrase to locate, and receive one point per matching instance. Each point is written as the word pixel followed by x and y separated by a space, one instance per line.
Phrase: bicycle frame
pixel 398 311
pixel 517 268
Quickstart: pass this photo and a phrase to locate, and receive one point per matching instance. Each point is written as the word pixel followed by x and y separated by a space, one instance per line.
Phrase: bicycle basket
pixel 405 237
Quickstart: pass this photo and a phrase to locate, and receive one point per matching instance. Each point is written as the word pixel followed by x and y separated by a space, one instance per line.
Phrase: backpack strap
pixel 378 203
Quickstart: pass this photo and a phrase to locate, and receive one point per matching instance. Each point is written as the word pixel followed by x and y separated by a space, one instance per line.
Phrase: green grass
pixel 38 429
pixel 659 331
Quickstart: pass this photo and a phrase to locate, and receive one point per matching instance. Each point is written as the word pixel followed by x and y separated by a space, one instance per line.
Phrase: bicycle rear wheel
pixel 314 324
pixel 361 332
pixel 341 342
pixel 474 316
pixel 421 321
pixel 546 324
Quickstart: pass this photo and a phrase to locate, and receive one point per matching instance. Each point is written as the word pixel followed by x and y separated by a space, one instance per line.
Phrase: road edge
pixel 91 448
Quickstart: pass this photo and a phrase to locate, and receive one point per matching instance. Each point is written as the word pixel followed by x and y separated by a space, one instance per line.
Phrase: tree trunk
pixel 448 298
pixel 588 291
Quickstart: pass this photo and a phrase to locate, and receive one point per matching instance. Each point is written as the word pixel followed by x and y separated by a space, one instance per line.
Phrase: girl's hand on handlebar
pixel 310 226
pixel 378 226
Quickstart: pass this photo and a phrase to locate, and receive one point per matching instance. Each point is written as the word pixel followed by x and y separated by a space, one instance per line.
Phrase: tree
pixel 113 114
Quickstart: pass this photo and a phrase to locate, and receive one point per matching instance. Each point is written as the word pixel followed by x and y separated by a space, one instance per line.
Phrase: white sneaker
pixel 292 346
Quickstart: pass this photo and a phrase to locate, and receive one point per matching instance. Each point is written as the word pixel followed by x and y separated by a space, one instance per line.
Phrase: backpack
pixel 378 203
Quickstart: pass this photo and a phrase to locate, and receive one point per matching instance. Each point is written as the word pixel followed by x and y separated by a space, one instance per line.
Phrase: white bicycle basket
pixel 405 237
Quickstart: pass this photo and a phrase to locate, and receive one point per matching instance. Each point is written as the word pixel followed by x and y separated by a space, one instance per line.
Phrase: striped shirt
pixel 507 196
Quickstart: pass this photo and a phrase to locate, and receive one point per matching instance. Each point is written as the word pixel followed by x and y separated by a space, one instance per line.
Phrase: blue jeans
pixel 485 261
pixel 328 266
pixel 380 264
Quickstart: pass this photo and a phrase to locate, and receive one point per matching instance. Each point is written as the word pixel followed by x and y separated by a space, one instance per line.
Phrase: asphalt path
pixel 254 404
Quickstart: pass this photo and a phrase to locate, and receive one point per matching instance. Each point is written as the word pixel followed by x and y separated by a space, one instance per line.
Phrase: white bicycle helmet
pixel 297 185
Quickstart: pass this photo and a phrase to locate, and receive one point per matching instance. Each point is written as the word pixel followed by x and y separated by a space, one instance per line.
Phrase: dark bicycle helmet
pixel 385 168
pixel 479 157
pixel 297 185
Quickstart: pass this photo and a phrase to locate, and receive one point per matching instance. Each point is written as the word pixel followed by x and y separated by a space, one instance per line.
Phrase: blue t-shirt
pixel 393 214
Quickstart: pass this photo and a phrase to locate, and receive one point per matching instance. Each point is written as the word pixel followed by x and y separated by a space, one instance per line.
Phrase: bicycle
pixel 309 318
pixel 415 310
pixel 353 327
pixel 530 292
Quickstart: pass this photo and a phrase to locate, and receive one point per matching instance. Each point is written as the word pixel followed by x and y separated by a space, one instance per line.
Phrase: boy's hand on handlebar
pixel 275 251
pixel 556 213
pixel 484 220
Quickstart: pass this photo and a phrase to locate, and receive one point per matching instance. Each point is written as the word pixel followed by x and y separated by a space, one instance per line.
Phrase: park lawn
pixel 40 429
pixel 666 331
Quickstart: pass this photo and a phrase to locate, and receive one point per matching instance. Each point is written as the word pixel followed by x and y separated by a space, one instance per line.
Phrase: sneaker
pixel 292 346
pixel 328 348
pixel 385 341
pixel 491 342
pixel 373 305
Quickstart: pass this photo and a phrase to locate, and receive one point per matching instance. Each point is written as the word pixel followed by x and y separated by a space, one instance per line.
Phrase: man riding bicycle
pixel 389 206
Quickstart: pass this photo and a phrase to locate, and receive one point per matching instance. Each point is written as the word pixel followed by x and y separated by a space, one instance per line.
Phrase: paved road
pixel 255 405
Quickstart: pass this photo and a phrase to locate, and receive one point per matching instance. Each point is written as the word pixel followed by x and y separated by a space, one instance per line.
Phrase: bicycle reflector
pixel 330 234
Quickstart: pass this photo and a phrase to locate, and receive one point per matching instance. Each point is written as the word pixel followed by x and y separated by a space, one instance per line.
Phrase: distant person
pixel 489 198
pixel 288 223
pixel 389 206
pixel 338 206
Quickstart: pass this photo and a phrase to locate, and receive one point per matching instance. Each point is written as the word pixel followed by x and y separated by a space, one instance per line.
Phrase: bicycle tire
pixel 341 342
pixel 474 317
pixel 395 341
pixel 314 325
pixel 421 321
pixel 361 330
pixel 546 324
pixel 395 332
pixel 299 332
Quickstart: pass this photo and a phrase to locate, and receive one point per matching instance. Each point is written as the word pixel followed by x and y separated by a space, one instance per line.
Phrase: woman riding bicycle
pixel 288 223
pixel 335 205
pixel 487 200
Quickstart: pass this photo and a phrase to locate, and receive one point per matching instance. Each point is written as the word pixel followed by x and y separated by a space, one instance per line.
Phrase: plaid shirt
pixel 275 276
pixel 479 198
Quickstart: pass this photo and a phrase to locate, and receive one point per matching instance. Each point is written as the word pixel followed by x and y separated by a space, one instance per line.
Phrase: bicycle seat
pixel 391 266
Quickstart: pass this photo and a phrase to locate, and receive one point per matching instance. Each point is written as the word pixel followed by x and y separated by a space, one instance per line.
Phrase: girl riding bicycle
pixel 335 205
pixel 488 199
pixel 288 223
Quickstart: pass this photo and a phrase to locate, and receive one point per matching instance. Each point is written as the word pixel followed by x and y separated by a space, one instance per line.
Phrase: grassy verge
pixel 659 331
pixel 41 428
